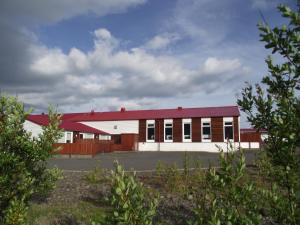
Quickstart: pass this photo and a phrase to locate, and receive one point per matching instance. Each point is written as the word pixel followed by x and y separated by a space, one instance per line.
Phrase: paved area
pixel 140 161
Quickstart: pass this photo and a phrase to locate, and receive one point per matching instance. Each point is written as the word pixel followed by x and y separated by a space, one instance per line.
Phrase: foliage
pixel 22 160
pixel 229 196
pixel 96 176
pixel 276 107
pixel 129 202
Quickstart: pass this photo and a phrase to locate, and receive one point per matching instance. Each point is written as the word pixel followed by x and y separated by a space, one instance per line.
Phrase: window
pixel 168 130
pixel 68 137
pixel 206 129
pixel 186 128
pixel 86 136
pixel 150 130
pixel 104 137
pixel 228 129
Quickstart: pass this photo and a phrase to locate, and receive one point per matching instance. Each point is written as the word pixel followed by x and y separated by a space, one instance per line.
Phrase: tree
pixel 274 105
pixel 22 160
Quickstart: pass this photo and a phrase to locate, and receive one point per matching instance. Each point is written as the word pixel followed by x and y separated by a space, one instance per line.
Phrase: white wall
pixel 250 145
pixel 115 127
pixel 34 128
pixel 177 146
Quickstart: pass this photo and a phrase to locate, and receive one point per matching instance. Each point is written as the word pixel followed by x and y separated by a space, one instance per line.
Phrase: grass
pixel 63 214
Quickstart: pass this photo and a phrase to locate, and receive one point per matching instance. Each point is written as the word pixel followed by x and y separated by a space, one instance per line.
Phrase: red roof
pixel 43 120
pixel 223 111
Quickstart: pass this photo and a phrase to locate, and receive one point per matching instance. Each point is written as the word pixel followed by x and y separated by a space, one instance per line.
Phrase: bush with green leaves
pixel 275 107
pixel 23 169
pixel 229 196
pixel 129 201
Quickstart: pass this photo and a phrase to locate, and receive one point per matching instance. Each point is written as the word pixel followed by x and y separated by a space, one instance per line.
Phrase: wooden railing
pixel 94 146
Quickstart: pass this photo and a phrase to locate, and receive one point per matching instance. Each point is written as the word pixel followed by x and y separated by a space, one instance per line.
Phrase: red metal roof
pixel 223 111
pixel 43 120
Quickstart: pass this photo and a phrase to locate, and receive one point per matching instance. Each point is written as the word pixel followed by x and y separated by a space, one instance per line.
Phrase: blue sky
pixel 140 54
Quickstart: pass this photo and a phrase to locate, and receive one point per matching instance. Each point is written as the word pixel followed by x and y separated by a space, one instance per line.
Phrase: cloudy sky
pixel 105 54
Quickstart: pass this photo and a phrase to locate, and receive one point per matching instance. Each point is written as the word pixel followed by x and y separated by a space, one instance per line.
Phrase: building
pixel 180 129
pixel 72 131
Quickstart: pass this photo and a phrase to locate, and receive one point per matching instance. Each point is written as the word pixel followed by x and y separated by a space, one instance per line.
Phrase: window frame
pixel 186 121
pixel 206 120
pixel 168 121
pixel 152 122
pixel 225 120
pixel 66 136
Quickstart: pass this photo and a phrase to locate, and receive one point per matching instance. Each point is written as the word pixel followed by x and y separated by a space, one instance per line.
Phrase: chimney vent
pixel 123 109
pixel 92 112
pixel 179 108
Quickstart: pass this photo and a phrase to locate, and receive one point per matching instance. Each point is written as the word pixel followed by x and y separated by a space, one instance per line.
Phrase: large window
pixel 228 129
pixel 206 129
pixel 150 130
pixel 168 130
pixel 187 130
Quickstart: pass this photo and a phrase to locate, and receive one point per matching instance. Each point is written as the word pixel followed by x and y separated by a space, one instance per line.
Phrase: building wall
pixel 184 146
pixel 35 129
pixel 115 127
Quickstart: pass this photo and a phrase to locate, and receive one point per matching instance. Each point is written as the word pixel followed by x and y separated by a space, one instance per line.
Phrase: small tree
pixel 130 204
pixel 276 107
pixel 229 196
pixel 22 160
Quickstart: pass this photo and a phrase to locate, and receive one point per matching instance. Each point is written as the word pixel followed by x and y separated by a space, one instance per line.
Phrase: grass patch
pixel 62 214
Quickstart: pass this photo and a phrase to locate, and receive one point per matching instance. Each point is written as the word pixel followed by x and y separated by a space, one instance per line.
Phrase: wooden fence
pixel 251 137
pixel 95 146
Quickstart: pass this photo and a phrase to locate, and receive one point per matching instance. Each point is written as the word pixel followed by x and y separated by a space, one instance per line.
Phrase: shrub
pixel 229 196
pixel 130 205
pixel 22 160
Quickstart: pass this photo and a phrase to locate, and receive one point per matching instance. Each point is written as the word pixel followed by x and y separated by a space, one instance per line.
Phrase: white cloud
pixel 213 65
pixel 40 12
pixel 161 41
pixel 128 78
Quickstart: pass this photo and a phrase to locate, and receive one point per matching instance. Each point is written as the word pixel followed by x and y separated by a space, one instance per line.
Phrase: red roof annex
pixel 65 124
pixel 223 111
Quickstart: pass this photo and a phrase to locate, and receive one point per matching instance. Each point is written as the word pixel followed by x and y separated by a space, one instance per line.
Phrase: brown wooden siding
pixel 196 129
pixel 142 130
pixel 236 128
pixel 159 130
pixel 217 129
pixel 177 130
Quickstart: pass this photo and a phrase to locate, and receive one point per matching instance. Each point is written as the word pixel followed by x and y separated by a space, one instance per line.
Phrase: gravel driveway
pixel 140 161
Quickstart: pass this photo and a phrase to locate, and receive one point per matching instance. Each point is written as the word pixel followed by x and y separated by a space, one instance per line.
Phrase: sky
pixel 83 55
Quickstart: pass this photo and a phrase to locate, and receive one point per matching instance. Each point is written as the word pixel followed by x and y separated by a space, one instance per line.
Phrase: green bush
pixel 22 160
pixel 274 105
pixel 129 202
pixel 229 196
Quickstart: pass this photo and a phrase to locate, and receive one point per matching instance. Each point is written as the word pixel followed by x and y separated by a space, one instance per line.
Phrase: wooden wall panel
pixel 196 129
pixel 236 129
pixel 217 129
pixel 159 130
pixel 177 130
pixel 142 130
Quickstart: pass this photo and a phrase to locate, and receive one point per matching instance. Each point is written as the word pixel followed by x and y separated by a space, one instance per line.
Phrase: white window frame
pixel 104 137
pixel 168 121
pixel 205 120
pixel 84 136
pixel 186 121
pixel 147 123
pixel 228 119
pixel 66 135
